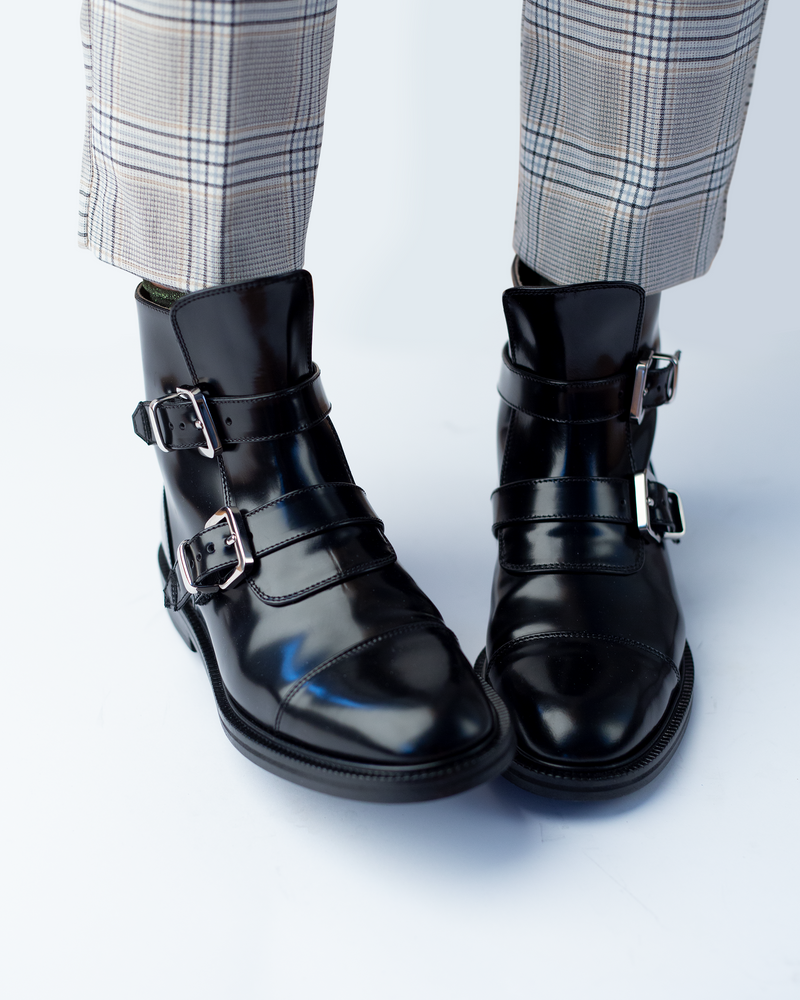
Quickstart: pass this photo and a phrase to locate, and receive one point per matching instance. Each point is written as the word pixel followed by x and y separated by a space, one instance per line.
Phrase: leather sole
pixel 608 781
pixel 338 776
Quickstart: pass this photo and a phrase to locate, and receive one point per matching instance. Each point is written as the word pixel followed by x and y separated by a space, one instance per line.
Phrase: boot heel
pixel 175 617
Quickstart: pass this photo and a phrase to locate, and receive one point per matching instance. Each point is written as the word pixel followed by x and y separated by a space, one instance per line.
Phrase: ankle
pixel 160 295
pixel 525 277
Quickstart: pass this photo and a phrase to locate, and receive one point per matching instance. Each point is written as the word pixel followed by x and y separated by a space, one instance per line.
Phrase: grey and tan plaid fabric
pixel 632 112
pixel 204 123
pixel 203 132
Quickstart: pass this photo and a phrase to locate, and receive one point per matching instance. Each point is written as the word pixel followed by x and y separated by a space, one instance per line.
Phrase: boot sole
pixel 610 781
pixel 338 776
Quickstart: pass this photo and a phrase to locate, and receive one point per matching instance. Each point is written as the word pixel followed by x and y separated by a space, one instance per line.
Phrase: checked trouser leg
pixel 204 125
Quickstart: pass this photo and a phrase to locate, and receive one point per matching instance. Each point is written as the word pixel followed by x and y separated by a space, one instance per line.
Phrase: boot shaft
pixel 245 340
pixel 571 334
pixel 237 340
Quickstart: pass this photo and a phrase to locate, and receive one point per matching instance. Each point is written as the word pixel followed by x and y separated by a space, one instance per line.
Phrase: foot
pixel 586 642
pixel 330 667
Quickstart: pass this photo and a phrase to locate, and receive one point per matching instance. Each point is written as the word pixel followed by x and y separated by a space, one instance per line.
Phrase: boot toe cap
pixel 584 701
pixel 409 697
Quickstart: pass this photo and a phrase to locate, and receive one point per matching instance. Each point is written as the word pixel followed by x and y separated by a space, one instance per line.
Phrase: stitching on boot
pixel 618 640
pixel 626 569
pixel 273 599
pixel 416 626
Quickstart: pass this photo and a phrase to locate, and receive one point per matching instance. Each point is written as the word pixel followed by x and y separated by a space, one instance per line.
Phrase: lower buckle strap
pixel 656 511
pixel 188 419
pixel 218 557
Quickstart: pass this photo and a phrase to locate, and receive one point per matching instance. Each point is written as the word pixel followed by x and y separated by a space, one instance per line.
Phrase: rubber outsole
pixel 338 776
pixel 609 781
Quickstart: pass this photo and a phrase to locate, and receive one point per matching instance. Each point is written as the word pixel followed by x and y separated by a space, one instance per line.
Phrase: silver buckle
pixel 237 538
pixel 643 503
pixel 203 420
pixel 640 381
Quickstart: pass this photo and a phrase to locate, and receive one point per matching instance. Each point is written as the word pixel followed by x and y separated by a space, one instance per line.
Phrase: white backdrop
pixel 142 856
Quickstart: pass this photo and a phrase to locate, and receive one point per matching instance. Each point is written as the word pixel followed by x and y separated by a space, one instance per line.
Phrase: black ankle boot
pixel 586 640
pixel 329 666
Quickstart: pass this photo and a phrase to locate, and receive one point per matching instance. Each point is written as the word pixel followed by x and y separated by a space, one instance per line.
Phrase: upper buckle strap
pixel 656 511
pixel 583 402
pixel 218 556
pixel 189 419
pixel 656 377
pixel 591 400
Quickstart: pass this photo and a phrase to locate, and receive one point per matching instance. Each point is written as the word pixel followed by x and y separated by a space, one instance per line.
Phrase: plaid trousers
pixel 204 124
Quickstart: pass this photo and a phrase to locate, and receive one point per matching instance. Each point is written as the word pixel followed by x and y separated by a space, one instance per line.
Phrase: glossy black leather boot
pixel 329 666
pixel 586 641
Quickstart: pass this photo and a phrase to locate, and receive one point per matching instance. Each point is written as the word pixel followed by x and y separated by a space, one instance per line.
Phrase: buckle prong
pixel 203 420
pixel 237 538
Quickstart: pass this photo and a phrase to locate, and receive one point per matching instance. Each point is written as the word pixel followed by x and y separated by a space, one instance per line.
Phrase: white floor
pixel 142 856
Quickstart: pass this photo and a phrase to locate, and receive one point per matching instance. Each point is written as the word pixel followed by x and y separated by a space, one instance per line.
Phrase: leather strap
pixel 581 499
pixel 238 419
pixel 583 402
pixel 273 526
